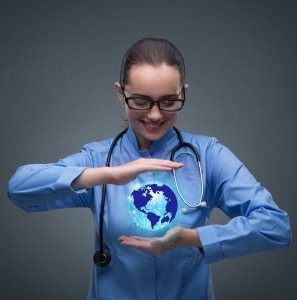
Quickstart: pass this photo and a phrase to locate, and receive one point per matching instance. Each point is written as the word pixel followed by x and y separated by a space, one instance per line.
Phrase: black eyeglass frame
pixel 152 102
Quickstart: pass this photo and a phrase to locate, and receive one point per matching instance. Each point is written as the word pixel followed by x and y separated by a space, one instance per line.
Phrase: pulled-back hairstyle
pixel 154 52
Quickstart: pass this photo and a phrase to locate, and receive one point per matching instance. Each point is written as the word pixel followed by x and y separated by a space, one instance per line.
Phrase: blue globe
pixel 153 206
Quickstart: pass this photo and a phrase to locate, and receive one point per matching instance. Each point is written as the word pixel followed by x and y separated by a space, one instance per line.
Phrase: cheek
pixel 131 115
pixel 174 117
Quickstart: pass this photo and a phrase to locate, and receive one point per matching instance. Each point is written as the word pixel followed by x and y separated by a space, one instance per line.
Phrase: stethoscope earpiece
pixel 102 259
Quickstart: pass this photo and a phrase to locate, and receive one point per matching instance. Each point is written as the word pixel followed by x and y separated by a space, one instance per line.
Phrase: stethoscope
pixel 102 257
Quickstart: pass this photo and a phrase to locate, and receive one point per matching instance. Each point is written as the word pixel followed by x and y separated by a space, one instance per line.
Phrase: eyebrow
pixel 148 97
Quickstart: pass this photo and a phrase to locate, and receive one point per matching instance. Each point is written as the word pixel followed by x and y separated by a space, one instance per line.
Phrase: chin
pixel 154 136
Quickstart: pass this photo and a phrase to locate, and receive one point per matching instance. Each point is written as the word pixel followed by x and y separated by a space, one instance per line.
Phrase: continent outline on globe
pixel 153 206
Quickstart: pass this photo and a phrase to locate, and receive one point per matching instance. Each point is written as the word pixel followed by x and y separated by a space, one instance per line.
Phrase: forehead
pixel 147 79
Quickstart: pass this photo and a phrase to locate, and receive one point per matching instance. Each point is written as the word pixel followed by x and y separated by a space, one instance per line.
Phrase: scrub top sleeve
pixel 41 187
pixel 64 182
pixel 256 222
pixel 210 243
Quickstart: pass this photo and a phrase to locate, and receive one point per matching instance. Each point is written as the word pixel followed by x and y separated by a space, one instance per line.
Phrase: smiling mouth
pixel 152 126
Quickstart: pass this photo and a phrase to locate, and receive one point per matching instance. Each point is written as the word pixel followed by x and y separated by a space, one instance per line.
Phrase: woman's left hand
pixel 156 245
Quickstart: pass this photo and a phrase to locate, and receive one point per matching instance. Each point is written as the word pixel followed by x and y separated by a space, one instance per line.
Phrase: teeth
pixel 152 125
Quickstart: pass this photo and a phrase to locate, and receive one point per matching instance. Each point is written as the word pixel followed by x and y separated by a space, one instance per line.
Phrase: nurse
pixel 160 249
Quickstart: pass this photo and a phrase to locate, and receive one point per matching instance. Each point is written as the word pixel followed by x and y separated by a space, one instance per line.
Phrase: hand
pixel 122 174
pixel 127 172
pixel 155 245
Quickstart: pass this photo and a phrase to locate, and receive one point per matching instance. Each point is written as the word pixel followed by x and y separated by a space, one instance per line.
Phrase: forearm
pixel 91 177
pixel 122 174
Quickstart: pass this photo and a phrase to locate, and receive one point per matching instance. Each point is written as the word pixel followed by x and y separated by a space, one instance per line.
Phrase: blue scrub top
pixel 151 204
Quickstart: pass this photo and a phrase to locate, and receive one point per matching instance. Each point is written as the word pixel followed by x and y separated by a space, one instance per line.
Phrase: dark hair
pixel 152 51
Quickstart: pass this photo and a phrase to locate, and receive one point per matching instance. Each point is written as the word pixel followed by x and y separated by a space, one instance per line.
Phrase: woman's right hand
pixel 122 174
pixel 127 172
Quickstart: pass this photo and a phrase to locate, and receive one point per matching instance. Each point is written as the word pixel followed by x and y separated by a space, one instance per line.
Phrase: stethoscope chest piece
pixel 102 259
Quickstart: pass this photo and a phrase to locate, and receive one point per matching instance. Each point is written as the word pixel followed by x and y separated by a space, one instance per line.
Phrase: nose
pixel 154 113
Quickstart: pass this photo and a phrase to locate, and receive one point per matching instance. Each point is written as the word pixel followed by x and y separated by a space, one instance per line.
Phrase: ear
pixel 186 86
pixel 119 92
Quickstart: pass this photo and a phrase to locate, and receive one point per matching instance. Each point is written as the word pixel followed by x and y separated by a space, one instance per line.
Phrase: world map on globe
pixel 153 206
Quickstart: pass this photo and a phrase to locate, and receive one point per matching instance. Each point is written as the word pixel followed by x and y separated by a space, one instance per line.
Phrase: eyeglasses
pixel 146 103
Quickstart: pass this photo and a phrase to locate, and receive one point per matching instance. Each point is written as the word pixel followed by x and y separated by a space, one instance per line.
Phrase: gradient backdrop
pixel 59 61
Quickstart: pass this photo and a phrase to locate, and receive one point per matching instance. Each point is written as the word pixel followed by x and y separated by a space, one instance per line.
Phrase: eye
pixel 141 102
pixel 168 103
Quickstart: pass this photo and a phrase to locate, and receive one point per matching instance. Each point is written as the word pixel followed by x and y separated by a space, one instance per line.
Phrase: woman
pixel 152 236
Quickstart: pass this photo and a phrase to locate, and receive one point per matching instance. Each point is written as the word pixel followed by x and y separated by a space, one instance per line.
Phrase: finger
pixel 133 239
pixel 166 163
pixel 126 237
pixel 137 242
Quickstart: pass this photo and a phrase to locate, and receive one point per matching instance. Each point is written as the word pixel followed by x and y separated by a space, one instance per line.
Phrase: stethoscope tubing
pixel 180 145
pixel 103 194
pixel 102 257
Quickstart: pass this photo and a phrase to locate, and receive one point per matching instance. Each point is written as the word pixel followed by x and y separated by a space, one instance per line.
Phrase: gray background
pixel 59 61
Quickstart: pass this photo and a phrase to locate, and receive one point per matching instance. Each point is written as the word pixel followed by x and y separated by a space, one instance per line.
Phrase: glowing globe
pixel 153 207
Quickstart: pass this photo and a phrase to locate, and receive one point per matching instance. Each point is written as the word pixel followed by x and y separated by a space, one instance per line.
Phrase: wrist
pixel 189 237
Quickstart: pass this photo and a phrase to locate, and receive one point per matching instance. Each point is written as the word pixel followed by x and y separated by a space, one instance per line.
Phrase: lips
pixel 153 126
